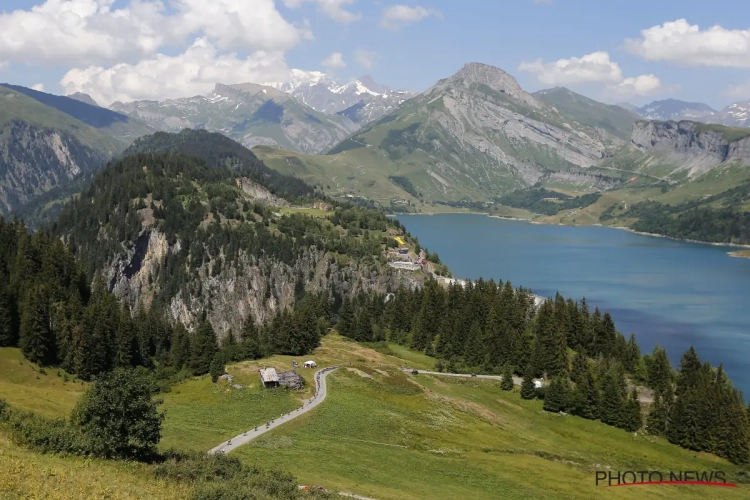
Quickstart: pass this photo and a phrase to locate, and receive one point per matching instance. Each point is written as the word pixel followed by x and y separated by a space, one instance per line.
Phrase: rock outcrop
pixel 691 147
pixel 248 286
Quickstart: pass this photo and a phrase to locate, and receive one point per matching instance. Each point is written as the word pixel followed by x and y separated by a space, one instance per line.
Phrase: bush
pixel 119 416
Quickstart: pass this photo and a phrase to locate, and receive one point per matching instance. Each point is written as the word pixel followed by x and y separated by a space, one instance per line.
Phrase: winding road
pixel 244 438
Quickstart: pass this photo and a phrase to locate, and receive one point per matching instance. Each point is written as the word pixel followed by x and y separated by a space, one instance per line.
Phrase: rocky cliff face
pixel 248 286
pixel 34 160
pixel 694 148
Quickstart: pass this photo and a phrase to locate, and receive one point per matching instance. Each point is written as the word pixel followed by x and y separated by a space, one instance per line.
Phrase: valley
pixel 183 244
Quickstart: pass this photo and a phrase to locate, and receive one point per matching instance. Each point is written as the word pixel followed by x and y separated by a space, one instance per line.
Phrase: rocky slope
pixel 479 132
pixel 42 148
pixel 188 222
pixel 691 148
pixel 250 113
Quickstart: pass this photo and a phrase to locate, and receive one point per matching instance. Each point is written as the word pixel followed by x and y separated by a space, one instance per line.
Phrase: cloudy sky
pixel 633 51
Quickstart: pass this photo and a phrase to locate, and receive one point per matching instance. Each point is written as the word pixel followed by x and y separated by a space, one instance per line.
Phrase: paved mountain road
pixel 244 438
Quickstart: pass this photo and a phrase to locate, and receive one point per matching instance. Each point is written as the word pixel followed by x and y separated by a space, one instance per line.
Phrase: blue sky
pixel 580 44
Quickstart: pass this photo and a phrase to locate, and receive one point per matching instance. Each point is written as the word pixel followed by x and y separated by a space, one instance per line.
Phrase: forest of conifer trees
pixel 488 327
pixel 48 310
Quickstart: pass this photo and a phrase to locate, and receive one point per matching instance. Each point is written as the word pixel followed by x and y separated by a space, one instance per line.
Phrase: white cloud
pixel 741 91
pixel 38 87
pixel 191 73
pixel 335 60
pixel 331 8
pixel 642 85
pixel 596 67
pixel 85 32
pixel 365 58
pixel 591 68
pixel 397 16
pixel 682 43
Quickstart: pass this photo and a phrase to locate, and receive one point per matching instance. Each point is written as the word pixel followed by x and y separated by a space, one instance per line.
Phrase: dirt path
pixel 244 438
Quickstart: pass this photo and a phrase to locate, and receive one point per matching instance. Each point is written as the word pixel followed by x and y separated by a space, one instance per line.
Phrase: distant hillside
pixel 612 119
pixel 42 148
pixel 249 113
pixel 118 125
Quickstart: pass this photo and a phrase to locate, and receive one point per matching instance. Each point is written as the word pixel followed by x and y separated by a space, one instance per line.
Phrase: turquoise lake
pixel 672 293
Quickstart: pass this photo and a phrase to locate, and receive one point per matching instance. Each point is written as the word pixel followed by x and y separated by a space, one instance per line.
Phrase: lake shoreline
pixel 738 253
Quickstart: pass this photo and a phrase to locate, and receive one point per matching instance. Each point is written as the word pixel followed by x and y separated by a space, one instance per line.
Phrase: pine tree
pixel 580 368
pixel 658 417
pixel 36 339
pixel 556 397
pixel 528 391
pixel 632 354
pixel 586 398
pixel 506 383
pixel 473 353
pixel 216 367
pixel 612 399
pixel 203 347
pixel 127 348
pixel 180 347
pixel 8 335
pixel 660 371
pixel 632 419
pixel 250 339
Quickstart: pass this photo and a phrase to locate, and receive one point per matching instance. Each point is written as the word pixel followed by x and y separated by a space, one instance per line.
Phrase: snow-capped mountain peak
pixel 361 100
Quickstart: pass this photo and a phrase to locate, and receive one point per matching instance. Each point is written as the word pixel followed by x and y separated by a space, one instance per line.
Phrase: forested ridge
pixel 488 327
pixel 218 150
pixel 210 235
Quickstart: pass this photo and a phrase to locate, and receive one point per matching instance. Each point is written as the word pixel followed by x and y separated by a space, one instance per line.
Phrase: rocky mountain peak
pixel 494 78
pixel 371 84
pixel 79 96
pixel 250 89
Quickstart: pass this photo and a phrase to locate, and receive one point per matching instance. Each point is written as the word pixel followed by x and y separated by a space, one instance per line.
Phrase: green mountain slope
pixel 42 148
pixel 117 125
pixel 472 136
pixel 614 120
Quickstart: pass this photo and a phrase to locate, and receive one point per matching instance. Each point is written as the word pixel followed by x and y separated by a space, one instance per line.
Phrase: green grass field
pixel 24 385
pixel 380 433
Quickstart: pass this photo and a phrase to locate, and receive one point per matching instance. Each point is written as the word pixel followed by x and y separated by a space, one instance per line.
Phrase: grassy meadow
pixel 381 433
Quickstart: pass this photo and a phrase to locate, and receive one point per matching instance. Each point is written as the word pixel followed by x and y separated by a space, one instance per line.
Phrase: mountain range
pixel 250 113
pixel 469 138
pixel 734 115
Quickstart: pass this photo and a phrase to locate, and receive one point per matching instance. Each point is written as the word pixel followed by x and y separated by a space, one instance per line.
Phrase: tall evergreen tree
pixel 580 368
pixel 658 418
pixel 632 354
pixel 506 383
pixel 612 399
pixel 8 334
pixel 556 397
pixel 660 371
pixel 250 339
pixel 632 419
pixel 203 348
pixel 36 340
pixel 180 347
pixel 528 391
